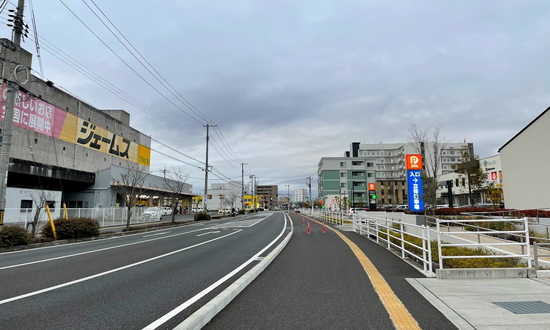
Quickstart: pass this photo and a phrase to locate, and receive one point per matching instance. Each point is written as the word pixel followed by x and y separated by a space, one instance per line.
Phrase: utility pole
pixel 206 169
pixel 13 86
pixel 288 193
pixel 242 185
pixel 310 200
pixel 252 176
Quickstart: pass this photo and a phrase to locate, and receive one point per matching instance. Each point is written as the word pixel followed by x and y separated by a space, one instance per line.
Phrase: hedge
pixel 72 228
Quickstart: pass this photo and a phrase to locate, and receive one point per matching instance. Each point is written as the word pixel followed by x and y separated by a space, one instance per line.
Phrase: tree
pixel 130 185
pixel 495 193
pixel 175 185
pixel 231 199
pixel 469 166
pixel 422 140
pixel 40 199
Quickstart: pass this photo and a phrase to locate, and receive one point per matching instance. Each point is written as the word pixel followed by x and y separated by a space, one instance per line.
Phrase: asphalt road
pixel 132 281
pixel 317 283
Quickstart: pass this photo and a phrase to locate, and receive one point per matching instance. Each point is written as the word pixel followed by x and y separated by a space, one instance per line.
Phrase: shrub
pixel 72 228
pixel 12 235
pixel 202 216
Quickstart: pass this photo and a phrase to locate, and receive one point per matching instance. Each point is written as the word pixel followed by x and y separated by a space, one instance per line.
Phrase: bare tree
pixel 130 185
pixel 175 185
pixel 429 144
pixel 40 199
pixel 469 166
pixel 230 200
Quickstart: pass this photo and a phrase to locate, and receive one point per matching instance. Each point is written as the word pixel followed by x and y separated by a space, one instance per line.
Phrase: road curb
pixel 206 313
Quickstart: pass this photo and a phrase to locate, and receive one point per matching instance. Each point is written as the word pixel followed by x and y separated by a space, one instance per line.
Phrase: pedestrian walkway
pixel 516 303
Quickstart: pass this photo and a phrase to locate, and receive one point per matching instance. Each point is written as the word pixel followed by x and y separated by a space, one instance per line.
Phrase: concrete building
pixel 382 164
pixel 225 195
pixel 267 196
pixel 301 195
pixel 65 146
pixel 343 181
pixel 525 158
pixel 460 190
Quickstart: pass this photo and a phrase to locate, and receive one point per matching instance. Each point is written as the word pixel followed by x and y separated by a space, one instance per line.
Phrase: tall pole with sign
pixel 372 195
pixel 414 182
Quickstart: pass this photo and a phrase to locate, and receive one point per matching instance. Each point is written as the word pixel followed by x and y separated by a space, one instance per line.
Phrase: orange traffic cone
pixel 308 229
pixel 303 221
pixel 315 223
pixel 323 230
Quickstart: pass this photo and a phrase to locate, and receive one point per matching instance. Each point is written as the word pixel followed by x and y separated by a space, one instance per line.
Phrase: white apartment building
pixel 224 195
pixel 301 195
pixel 460 188
pixel 388 162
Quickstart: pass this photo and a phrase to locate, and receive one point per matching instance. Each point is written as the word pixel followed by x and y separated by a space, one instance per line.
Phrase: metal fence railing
pixel 411 241
pixel 453 228
pixel 108 216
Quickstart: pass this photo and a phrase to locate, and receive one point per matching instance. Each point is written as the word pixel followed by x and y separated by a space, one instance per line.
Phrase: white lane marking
pixel 99 250
pixel 163 233
pixel 204 292
pixel 210 232
pixel 30 294
pixel 85 242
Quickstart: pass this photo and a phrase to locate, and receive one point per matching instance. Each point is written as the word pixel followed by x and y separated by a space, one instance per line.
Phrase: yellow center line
pixel 399 314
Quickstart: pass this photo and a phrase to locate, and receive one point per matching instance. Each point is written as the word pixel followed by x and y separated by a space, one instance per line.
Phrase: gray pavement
pixel 490 304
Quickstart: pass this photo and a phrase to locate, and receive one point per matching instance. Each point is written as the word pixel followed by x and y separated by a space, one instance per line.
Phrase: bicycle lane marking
pixel 400 316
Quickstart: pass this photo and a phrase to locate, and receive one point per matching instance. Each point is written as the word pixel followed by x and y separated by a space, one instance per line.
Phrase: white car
pixel 355 210
pixel 152 213
pixel 166 210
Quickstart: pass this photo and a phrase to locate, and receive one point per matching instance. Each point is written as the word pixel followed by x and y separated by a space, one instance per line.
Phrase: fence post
pixel 388 234
pixel 536 255
pixel 527 241
pixel 428 240
pixel 402 239
pixel 439 245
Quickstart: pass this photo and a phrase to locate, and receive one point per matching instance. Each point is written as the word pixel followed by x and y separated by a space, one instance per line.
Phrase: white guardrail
pixel 507 246
pixel 413 241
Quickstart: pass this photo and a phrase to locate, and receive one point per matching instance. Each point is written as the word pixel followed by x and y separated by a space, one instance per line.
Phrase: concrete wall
pixel 525 162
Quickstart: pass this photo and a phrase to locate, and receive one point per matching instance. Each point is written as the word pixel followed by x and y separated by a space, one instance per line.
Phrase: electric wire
pixel 185 101
pixel 128 65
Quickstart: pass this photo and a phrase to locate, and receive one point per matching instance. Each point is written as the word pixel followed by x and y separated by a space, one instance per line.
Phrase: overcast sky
pixel 289 82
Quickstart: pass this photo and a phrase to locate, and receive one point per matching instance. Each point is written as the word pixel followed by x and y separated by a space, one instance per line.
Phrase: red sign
pixel 494 176
pixel 372 186
pixel 413 162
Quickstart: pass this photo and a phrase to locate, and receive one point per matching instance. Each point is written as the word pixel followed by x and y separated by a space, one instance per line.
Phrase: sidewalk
pixel 517 303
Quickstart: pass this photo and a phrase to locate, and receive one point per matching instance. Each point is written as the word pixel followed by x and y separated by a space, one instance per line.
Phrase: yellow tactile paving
pixel 399 314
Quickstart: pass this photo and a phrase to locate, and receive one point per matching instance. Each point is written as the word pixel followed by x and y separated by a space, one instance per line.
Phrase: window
pixel 342 164
pixel 342 185
pixel 464 182
pixel 26 204
pixel 357 163
pixel 370 164
pixel 51 205
pixel 369 175
pixel 342 174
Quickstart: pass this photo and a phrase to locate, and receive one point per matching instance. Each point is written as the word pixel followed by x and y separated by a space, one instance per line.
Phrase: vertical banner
pixel 414 182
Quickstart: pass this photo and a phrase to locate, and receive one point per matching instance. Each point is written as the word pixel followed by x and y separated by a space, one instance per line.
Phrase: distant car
pixel 152 213
pixel 166 210
pixel 296 211
pixel 402 207
pixel 355 210
pixel 224 210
